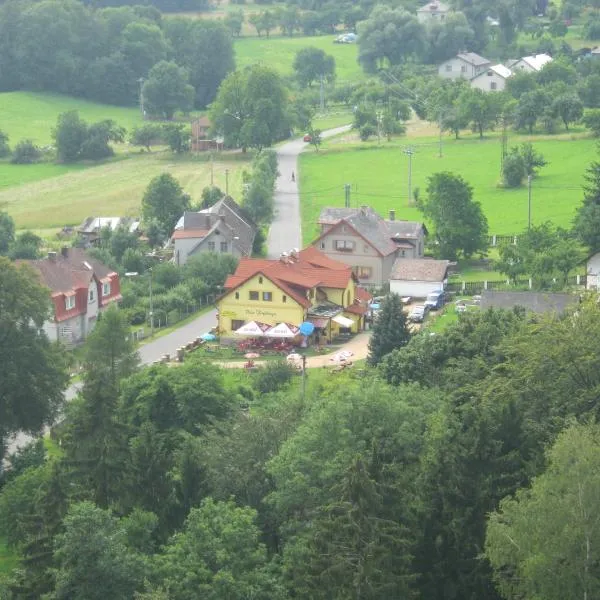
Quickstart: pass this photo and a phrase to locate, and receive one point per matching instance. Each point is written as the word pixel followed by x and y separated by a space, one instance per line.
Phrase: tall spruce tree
pixel 390 330
pixel 587 220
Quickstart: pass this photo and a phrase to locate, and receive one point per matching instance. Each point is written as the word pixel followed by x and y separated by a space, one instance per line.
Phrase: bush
pixel 513 170
pixel 591 120
pixel 26 153
pixel 366 131
pixel 274 377
pixel 4 147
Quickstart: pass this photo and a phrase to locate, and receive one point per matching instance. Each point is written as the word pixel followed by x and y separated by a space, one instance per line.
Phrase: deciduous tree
pixel 164 201
pixel 167 90
pixel 312 64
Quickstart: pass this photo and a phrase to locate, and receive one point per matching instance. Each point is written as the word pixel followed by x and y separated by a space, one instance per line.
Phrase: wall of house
pixel 341 297
pixel 415 289
pixel 593 272
pixel 456 68
pixel 92 307
pixel 427 16
pixel 182 249
pixel 236 305
pixel 522 66
pixel 484 82
pixel 362 255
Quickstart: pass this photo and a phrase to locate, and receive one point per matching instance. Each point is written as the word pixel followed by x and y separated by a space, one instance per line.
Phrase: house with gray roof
pixel 91 227
pixel 465 65
pixel 370 244
pixel 224 227
pixel 433 12
pixel 418 277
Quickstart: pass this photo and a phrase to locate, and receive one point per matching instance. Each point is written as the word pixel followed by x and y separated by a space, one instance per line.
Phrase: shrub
pixel 513 170
pixel 26 153
pixel 4 147
pixel 274 377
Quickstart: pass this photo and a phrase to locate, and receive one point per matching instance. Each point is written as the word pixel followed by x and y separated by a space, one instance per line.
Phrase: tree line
pixel 431 473
pixel 103 54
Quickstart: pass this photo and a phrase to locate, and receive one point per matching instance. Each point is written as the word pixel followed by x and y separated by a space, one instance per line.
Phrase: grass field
pixel 112 189
pixel 29 115
pixel 279 52
pixel 379 178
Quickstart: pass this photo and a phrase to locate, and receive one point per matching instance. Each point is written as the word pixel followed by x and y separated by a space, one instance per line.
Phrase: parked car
pixel 436 300
pixel 418 313
pixel 307 138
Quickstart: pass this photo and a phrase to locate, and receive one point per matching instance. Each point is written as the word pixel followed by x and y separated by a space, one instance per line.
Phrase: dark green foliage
pixel 26 153
pixel 274 376
pixel 211 268
pixel 313 65
pixel 586 224
pixel 591 119
pixel 33 376
pixel 460 225
pixel 177 136
pixel 258 195
pixel 167 90
pixel 7 232
pixel 4 147
pixel 164 201
pixel 146 135
pixel 513 169
pixel 26 246
pixel 390 329
pixel 211 195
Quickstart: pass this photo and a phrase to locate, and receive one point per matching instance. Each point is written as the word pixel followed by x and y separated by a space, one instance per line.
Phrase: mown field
pixel 379 178
pixel 32 115
pixel 111 189
pixel 279 52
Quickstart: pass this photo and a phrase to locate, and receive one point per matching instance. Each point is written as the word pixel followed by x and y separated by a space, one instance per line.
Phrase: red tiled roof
pixel 183 234
pixel 312 255
pixel 363 295
pixel 356 309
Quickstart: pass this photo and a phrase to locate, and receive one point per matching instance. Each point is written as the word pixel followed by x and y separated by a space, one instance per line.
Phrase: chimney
pixel 52 255
pixel 284 258
pixel 64 252
pixel 363 209
pixel 392 215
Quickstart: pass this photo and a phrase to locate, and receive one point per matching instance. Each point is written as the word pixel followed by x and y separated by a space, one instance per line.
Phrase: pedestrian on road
pixel 293 176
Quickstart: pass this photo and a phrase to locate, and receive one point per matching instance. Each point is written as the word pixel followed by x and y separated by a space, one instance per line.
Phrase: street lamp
pixel 151 313
pixel 409 152
pixel 141 82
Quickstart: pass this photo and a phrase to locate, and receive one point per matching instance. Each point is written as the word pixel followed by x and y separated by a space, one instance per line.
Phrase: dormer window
pixel 106 288
pixel 70 302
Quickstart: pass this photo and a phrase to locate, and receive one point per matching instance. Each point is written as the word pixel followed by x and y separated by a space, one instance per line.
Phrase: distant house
pixel 432 12
pixel 492 79
pixel 201 137
pixel 224 227
pixel 465 65
pixel 537 302
pixel 530 64
pixel 593 272
pixel 90 229
pixel 595 52
pixel 362 239
pixel 80 287
pixel 418 277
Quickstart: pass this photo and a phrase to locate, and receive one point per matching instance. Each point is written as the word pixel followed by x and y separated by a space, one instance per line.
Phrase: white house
pixel 493 79
pixel 465 65
pixel 418 277
pixel 593 272
pixel 530 64
pixel 433 11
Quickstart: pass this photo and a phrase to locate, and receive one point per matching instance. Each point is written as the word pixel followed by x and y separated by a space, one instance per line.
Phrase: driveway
pixel 285 232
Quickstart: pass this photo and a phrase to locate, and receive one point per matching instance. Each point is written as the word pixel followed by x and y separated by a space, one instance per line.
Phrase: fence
pixel 469 288
pixel 501 240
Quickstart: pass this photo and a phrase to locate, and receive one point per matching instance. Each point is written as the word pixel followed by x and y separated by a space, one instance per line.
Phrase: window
pixel 284 298
pixel 236 324
pixel 69 302
pixel 237 295
pixel 490 73
pixel 253 295
pixel 344 245
pixel 260 280
pixel 268 296
pixel 106 289
pixel 363 272
pixel 366 248
pixel 91 298
pixel 492 85
pixel 224 246
pixel 463 68
pixel 211 246
pixel 403 253
pixel 448 68
pixel 322 245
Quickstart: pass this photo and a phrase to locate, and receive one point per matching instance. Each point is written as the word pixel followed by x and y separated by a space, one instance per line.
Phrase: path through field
pixel 285 232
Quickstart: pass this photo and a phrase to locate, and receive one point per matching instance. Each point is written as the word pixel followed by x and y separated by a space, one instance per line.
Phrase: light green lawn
pixel 29 115
pixel 111 189
pixel 15 175
pixel 279 52
pixel 379 178
pixel 332 119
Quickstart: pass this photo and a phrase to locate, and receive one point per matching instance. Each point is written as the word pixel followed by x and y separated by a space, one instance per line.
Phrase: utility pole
pixel 347 188
pixel 151 307
pixel 409 152
pixel 322 96
pixel 141 82
pixel 211 170
pixel 529 202
pixel 227 182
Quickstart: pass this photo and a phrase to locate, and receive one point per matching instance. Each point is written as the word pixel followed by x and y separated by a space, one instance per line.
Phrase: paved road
pixel 285 232
pixel 283 236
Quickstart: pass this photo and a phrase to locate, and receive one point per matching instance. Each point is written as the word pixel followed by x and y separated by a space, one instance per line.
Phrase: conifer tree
pixel 390 330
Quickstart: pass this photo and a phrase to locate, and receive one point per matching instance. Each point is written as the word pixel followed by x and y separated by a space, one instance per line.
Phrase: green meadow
pixel 378 175
pixel 32 115
pixel 112 189
pixel 279 52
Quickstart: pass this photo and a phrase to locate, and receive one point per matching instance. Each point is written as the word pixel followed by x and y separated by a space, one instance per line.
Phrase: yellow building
pixel 301 286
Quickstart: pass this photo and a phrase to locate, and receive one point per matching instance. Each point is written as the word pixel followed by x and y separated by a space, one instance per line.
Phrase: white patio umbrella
pixel 252 329
pixel 282 330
